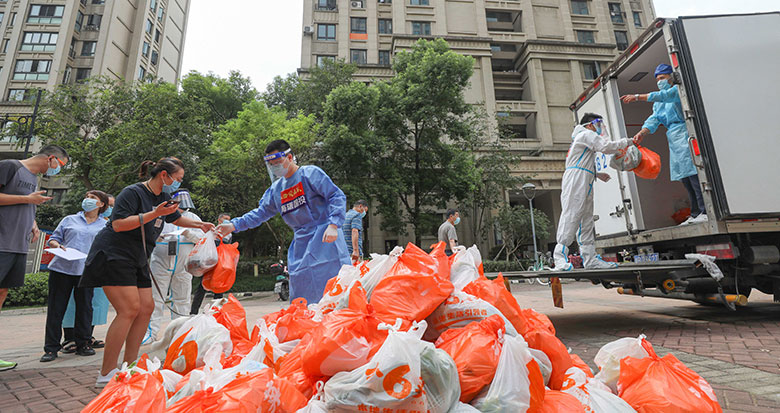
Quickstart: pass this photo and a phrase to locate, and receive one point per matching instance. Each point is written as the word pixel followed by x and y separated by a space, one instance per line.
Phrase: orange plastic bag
pixel 130 393
pixel 290 367
pixel 557 353
pixel 293 322
pixel 221 278
pixel 664 384
pixel 411 290
pixel 537 321
pixel 476 349
pixel 495 293
pixel 650 166
pixel 442 260
pixel 560 402
pixel 578 363
pixel 233 316
pixel 255 392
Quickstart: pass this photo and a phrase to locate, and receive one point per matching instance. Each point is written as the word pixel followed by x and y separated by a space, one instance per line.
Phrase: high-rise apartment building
pixel 532 59
pixel 50 42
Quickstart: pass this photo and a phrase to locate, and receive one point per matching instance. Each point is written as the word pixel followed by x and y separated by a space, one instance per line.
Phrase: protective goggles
pixel 278 155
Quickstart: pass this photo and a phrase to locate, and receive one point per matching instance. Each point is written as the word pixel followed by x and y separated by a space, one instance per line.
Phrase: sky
pixel 262 38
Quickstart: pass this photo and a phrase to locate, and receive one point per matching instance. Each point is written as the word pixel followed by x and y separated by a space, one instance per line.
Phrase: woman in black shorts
pixel 117 261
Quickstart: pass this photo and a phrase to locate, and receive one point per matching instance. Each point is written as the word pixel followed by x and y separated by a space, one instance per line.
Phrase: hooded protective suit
pixel 667 111
pixel 170 272
pixel 577 197
pixel 309 202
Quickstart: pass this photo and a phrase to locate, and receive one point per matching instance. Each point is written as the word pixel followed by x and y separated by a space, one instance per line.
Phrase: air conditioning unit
pixel 357 4
pixel 308 30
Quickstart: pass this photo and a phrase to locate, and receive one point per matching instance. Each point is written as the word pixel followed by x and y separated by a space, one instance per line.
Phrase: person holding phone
pixel 118 259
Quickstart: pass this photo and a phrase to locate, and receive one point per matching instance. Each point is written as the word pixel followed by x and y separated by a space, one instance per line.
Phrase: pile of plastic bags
pixel 406 332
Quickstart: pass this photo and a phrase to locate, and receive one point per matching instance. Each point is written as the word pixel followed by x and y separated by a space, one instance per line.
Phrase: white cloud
pixel 676 8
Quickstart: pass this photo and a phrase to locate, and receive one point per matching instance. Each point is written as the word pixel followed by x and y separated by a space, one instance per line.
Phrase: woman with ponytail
pixel 118 260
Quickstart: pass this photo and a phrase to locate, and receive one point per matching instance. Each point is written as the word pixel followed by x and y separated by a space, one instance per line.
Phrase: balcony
pixel 515 106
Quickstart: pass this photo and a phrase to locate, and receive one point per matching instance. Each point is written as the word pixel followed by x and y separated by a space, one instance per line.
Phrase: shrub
pixel 506 266
pixel 34 292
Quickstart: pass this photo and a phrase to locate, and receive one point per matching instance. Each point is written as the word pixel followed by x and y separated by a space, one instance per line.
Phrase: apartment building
pixel 532 58
pixel 50 42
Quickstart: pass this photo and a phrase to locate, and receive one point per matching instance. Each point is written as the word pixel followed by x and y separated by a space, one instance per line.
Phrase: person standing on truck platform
pixel 589 137
pixel 314 207
pixel 667 111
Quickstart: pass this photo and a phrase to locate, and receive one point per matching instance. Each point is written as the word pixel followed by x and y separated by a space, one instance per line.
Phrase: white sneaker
pixel 699 219
pixel 103 380
pixel 599 264
pixel 686 222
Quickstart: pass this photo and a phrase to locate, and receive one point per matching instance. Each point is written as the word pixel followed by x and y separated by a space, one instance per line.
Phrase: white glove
pixel 331 234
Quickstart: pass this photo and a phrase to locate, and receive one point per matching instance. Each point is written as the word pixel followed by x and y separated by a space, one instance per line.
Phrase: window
pixel 358 56
pixel 18 95
pixel 503 47
pixel 384 57
pixel 72 51
pixel 141 73
pixel 585 36
pixel 98 1
pixel 385 26
pixel 592 70
pixel 579 7
pixel 93 21
pixel 39 42
pixel 616 12
pixel 326 32
pixel 45 14
pixel 157 36
pixel 321 59
pixel 155 57
pixel 152 5
pixel 13 20
pixel 160 13
pixel 79 21
pixel 2 15
pixel 621 38
pixel 145 49
pixel 32 70
pixel 83 73
pixel 497 16
pixel 419 2
pixel 421 28
pixel 357 25
pixel 66 75
pixel 149 26
pixel 326 4
pixel 88 48
pixel 637 19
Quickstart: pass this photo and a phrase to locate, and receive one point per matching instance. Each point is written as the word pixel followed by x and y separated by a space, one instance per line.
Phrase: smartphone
pixel 173 200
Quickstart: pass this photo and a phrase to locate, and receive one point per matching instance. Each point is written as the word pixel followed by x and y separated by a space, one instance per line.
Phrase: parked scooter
pixel 282 286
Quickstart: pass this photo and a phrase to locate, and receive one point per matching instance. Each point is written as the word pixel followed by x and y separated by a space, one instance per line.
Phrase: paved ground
pixel 738 353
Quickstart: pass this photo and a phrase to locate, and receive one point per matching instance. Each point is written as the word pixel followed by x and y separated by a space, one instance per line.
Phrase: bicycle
pixel 542 263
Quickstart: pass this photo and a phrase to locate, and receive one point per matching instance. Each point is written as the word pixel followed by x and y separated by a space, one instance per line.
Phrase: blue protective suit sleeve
pixel 671 95
pixel 652 123
pixel 254 218
pixel 337 201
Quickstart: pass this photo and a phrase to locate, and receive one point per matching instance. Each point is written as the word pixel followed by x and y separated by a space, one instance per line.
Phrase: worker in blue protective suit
pixel 314 207
pixel 588 138
pixel 667 111
pixel 168 267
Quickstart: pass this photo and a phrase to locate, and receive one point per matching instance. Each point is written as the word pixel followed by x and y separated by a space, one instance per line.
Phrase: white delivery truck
pixel 728 72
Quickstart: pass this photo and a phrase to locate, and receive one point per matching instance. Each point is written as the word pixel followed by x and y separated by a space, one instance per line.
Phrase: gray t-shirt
pixel 447 232
pixel 16 221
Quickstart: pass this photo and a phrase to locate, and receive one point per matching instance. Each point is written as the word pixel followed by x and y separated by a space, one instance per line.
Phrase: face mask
pixel 54 171
pixel 663 84
pixel 89 204
pixel 362 214
pixel 107 212
pixel 457 221
pixel 279 170
pixel 172 187
pixel 598 130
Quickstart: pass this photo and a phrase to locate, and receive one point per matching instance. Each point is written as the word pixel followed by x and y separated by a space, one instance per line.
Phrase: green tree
pixel 222 97
pixel 406 142
pixel 234 177
pixel 514 225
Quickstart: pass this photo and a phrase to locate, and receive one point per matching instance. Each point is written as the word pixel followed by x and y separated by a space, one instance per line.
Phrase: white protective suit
pixel 577 197
pixel 170 272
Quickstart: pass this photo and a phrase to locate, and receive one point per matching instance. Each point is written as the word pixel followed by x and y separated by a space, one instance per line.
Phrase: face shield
pixel 184 198
pixel 276 165
pixel 601 127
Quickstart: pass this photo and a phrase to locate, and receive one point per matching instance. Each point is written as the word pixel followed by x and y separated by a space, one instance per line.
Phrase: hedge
pixel 34 292
pixel 505 266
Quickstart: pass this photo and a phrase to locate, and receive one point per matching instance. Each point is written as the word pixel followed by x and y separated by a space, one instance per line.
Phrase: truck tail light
pixel 725 251
pixel 695 144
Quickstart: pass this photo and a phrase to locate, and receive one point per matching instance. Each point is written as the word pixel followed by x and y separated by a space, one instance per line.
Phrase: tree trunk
pixel 416 214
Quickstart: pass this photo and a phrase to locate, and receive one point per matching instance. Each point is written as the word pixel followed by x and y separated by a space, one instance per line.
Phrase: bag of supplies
pixel 627 159
pixel 203 256
pixel 650 166
pixel 222 276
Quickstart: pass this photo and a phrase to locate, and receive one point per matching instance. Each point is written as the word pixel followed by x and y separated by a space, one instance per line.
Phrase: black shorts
pixel 12 268
pixel 101 272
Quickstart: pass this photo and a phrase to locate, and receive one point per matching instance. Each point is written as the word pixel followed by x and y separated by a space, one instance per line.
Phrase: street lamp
pixel 529 191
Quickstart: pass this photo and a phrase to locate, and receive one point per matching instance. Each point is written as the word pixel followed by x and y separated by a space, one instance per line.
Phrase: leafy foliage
pixel 514 225
pixel 34 292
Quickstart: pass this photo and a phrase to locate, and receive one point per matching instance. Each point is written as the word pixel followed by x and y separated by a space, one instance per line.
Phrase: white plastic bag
pixel 626 159
pixel 513 386
pixel 463 408
pixel 594 395
pixel 465 268
pixel 330 299
pixel 545 365
pixel 440 379
pixel 203 256
pixel 391 379
pixel 459 310
pixel 377 268
pixel 268 348
pixel 316 404
pixel 205 331
pixel 609 356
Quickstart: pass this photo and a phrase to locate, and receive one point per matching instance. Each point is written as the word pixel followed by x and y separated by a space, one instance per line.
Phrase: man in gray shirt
pixel 18 200
pixel 447 231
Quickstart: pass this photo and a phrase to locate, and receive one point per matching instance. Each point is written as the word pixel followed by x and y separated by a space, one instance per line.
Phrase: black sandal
pixel 69 347
pixel 94 343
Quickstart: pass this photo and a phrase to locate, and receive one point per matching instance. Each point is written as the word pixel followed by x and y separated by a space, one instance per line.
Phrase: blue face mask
pixel 53 171
pixel 89 204
pixel 457 221
pixel 173 187
pixel 598 130
pixel 362 214
pixel 663 84
pixel 107 212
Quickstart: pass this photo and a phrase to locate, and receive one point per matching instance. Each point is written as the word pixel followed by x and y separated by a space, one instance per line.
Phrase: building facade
pixel 532 59
pixel 46 43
